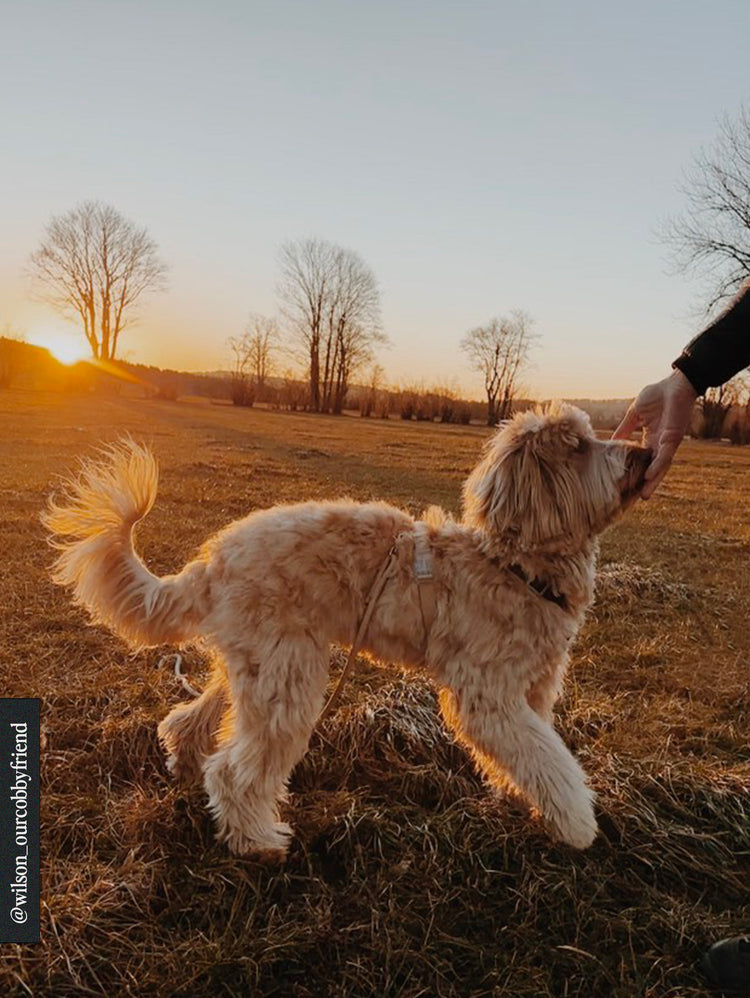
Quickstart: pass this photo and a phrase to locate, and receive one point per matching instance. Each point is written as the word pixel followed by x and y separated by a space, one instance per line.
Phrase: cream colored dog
pixel 270 593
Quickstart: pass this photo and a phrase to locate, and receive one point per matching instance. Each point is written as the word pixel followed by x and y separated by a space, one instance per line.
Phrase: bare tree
pixel 252 358
pixel 95 265
pixel 331 301
pixel 369 396
pixel 262 338
pixel 713 236
pixel 242 389
pixel 303 290
pixel 499 350
pixel 294 394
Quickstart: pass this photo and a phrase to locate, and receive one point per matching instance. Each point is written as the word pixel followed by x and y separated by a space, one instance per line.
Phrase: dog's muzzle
pixel 637 460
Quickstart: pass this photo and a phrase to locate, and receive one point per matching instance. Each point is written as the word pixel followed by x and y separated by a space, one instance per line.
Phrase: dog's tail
pixel 91 525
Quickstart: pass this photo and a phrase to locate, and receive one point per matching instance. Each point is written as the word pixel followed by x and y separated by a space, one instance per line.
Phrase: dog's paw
pixel 268 857
pixel 272 847
pixel 187 770
pixel 578 830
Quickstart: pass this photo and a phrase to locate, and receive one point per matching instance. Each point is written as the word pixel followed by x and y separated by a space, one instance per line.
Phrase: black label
pixel 19 821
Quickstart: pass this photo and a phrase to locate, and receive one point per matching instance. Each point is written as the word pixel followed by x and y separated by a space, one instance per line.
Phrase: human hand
pixel 663 412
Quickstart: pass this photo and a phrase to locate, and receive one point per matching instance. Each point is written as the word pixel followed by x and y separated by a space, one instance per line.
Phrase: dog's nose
pixel 637 461
pixel 639 456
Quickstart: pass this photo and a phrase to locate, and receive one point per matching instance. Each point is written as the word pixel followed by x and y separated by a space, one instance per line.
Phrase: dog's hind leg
pixel 188 732
pixel 274 708
pixel 511 738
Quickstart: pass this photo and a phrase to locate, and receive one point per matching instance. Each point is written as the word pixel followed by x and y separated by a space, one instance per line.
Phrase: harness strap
pixel 425 581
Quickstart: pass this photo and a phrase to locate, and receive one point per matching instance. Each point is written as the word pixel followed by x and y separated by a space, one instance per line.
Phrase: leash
pixel 386 571
pixel 179 674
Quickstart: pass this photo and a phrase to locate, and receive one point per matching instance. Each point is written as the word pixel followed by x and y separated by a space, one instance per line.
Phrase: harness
pixel 427 597
pixel 425 592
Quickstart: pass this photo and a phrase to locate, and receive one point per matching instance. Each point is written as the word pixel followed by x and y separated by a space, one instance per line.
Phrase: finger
pixel 652 485
pixel 630 421
pixel 658 469
pixel 661 462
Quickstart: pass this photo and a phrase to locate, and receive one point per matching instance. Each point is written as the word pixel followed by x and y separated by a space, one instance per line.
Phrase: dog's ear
pixel 522 488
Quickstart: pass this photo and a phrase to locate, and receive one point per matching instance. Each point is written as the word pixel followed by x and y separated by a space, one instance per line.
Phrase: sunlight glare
pixel 63 346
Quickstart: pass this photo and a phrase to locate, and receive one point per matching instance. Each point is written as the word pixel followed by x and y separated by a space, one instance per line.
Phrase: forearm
pixel 721 350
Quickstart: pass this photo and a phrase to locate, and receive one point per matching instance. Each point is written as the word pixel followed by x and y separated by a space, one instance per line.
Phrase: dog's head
pixel 546 483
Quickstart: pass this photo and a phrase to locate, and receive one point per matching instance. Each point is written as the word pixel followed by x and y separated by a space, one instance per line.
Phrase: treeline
pixel 419 403
pixel 723 413
pixel 24 365
pixel 416 402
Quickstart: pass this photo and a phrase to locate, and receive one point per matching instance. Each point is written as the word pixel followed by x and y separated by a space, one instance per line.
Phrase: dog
pixel 269 594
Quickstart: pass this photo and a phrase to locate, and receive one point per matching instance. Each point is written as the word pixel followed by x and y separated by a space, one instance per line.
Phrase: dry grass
pixel 407 878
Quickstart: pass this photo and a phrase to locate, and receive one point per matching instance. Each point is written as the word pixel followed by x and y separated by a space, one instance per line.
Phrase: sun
pixel 66 353
pixel 63 345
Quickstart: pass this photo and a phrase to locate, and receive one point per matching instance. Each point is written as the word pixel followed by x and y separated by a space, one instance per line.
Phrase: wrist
pixel 681 384
pixel 689 375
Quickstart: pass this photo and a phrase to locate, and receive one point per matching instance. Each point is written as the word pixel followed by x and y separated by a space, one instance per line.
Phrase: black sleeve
pixel 720 351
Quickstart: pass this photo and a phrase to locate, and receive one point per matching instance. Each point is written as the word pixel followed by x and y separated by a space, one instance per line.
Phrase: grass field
pixel 406 878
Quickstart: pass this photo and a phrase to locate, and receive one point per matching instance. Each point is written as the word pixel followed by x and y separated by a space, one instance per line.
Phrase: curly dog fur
pixel 270 594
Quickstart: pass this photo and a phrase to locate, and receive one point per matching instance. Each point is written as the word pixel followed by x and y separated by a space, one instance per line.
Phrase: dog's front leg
pixel 510 738
pixel 542 695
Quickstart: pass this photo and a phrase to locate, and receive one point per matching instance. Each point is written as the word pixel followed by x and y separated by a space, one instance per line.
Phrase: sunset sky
pixel 480 157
